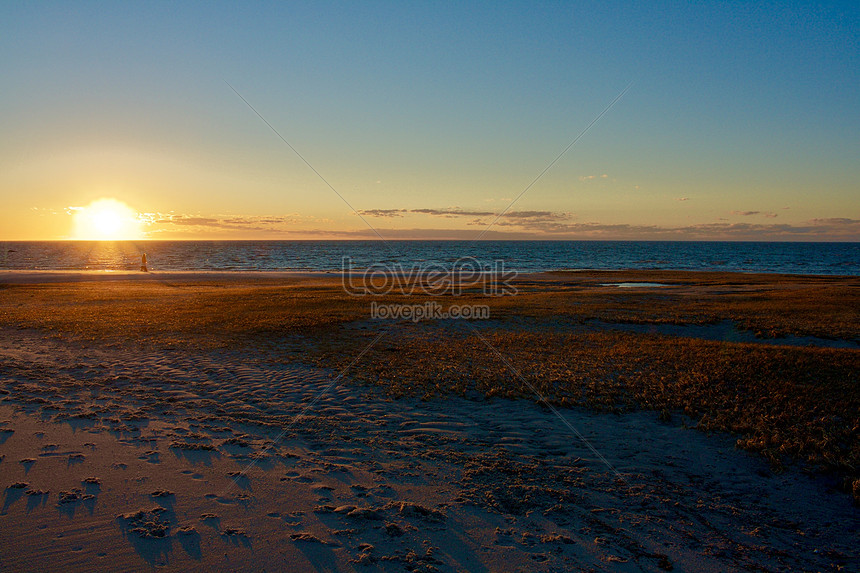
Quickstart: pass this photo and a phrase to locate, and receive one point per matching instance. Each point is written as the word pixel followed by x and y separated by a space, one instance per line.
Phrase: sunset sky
pixel 740 122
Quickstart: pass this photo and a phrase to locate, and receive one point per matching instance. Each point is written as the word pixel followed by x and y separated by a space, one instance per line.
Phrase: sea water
pixel 518 256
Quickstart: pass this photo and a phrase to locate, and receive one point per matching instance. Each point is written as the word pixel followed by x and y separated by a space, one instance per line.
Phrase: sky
pixel 445 120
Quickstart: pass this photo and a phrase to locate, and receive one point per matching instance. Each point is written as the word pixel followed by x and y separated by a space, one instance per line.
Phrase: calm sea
pixel 520 256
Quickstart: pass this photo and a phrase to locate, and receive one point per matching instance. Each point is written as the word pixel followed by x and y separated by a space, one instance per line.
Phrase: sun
pixel 107 220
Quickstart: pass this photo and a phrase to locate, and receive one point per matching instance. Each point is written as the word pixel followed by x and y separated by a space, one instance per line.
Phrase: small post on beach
pixel 143 264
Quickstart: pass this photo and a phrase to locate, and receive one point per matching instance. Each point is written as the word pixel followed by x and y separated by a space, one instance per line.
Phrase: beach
pixel 597 420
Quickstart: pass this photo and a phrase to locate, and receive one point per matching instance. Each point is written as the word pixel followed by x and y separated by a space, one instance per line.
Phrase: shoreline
pixel 60 276
pixel 13 276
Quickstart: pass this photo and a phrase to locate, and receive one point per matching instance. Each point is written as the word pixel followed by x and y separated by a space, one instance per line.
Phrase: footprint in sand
pixel 296 476
pixel 222 500
pixel 211 520
pixel 306 536
pixel 240 479
pixel 92 485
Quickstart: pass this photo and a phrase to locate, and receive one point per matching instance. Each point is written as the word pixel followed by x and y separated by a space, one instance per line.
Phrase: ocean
pixel 518 256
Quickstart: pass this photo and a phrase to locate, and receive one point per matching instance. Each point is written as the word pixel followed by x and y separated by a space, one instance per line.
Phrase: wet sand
pixel 211 423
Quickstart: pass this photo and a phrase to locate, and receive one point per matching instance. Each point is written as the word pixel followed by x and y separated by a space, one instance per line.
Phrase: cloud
pixel 836 221
pixel 682 199
pixel 543 223
pixel 844 229
pixel 450 213
pixel 536 216
pixel 383 212
pixel 232 223
pixel 161 223
pixel 186 220
pixel 768 214
pixel 591 177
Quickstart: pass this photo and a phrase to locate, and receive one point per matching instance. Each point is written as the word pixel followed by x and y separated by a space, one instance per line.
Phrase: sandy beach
pixel 605 421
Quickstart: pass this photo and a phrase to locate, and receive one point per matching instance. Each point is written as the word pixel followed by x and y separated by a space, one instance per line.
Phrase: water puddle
pixel 725 331
pixel 634 285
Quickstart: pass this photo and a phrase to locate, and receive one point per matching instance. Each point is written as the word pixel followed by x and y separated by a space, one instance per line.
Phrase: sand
pixel 125 450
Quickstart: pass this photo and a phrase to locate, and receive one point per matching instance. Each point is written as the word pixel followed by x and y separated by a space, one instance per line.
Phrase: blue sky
pixel 740 122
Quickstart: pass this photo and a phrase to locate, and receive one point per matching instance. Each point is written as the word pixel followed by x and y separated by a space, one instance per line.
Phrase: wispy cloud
pixel 592 177
pixel 475 215
pixel 384 212
pixel 836 221
pixel 537 215
pixel 768 214
pixel 160 223
pixel 453 212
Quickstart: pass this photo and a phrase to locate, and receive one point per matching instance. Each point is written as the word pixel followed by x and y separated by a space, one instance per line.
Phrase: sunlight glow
pixel 106 220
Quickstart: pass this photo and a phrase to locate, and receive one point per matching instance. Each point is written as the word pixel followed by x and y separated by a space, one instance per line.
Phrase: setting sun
pixel 107 220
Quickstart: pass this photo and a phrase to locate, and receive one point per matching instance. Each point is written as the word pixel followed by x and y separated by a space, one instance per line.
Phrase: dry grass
pixel 203 314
